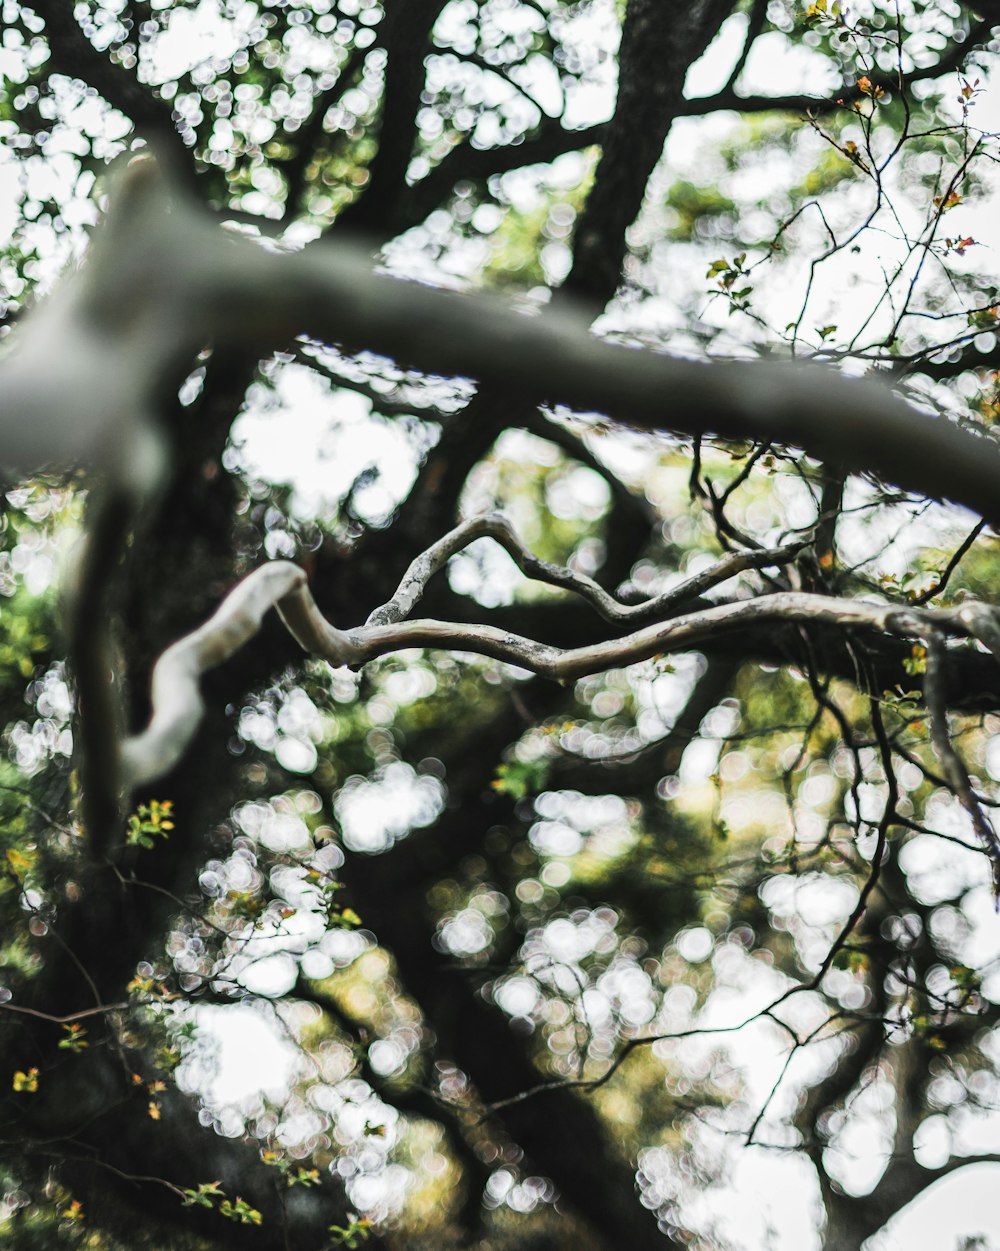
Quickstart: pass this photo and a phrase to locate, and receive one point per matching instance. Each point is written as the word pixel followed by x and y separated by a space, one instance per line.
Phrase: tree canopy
pixel 499 646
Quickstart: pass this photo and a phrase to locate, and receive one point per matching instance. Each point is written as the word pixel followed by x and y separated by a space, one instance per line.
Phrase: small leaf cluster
pixel 25 1083
pixel 983 318
pixel 728 274
pixel 73 1212
pixel 337 917
pixel 949 201
pixel 520 778
pixel 351 1235
pixel 206 1194
pixel 150 822
pixel 240 1211
pixel 74 1038
pixel 820 12
pixel 916 662
pixel 852 960
pixel 868 88
pixel 294 1175
pixel 21 862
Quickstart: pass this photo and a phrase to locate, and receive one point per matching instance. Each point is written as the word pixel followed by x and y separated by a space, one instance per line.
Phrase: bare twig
pixel 954 767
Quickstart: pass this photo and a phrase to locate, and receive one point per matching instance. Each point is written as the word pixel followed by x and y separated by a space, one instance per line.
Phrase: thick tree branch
pixel 160 283
pixel 405 35
pixel 176 697
pixel 657 48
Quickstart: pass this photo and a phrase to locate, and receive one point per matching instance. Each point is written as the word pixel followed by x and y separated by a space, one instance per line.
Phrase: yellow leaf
pixel 21 862
pixel 74 1212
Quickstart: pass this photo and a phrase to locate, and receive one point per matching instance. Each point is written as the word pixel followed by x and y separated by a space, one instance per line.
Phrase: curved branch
pixel 497 527
pixel 178 706
pixel 176 697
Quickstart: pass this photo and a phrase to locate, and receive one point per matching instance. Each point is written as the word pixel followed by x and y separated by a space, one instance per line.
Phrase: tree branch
pixel 311 134
pixel 497 527
pixel 177 704
pixel 405 35
pixel 657 48
pixel 466 163
pixel 72 53
pixel 952 763
pixel 161 282
pixel 802 102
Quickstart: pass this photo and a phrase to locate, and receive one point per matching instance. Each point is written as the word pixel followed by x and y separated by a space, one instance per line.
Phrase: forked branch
pixel 176 698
